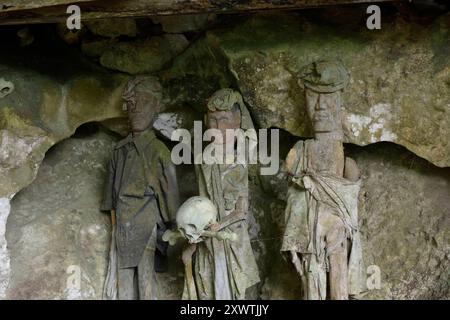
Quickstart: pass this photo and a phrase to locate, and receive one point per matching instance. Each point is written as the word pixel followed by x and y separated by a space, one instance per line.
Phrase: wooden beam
pixel 20 5
pixel 101 9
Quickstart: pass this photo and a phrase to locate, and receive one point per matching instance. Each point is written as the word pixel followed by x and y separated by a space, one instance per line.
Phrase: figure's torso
pixel 234 181
pixel 137 210
pixel 327 156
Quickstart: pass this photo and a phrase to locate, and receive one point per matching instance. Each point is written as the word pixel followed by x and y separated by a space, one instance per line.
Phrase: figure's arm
pixel 173 199
pixel 169 187
pixel 239 214
pixel 351 170
pixel 108 194
pixel 294 165
pixel 291 161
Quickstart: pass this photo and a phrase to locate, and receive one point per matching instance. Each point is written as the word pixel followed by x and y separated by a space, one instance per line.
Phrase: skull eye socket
pixel 192 226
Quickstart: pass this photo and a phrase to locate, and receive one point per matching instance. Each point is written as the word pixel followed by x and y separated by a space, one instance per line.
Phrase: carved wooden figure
pixel 142 195
pixel 224 267
pixel 321 233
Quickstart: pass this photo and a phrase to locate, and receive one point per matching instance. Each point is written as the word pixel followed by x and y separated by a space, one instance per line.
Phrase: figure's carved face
pixel 142 109
pixel 324 111
pixel 224 120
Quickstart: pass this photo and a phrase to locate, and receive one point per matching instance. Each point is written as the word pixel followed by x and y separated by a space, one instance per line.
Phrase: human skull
pixel 194 216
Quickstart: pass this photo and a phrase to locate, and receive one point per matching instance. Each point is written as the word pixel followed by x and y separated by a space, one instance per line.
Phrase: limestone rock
pixel 45 108
pixel 168 121
pixel 112 28
pixel 117 125
pixel 405 223
pixel 58 239
pixel 144 56
pixel 195 75
pixel 96 48
pixel 182 23
pixel 399 88
pixel 12 5
pixel 70 36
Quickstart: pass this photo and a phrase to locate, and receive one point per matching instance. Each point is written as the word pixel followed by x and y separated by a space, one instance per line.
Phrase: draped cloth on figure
pixel 301 235
pixel 224 269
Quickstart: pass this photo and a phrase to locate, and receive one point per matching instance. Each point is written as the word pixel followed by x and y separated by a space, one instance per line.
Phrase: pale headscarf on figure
pixel 225 100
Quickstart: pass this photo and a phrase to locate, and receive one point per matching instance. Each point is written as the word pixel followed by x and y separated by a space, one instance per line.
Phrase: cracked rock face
pixel 143 56
pixel 47 106
pixel 399 77
pixel 405 223
pixel 57 238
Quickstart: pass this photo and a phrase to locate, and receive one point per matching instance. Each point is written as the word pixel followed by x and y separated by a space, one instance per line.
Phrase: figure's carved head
pixel 324 112
pixel 194 216
pixel 143 99
pixel 323 80
pixel 224 111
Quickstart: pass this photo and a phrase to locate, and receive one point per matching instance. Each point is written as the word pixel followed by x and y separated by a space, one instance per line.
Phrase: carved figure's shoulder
pixel 159 149
pixel 294 155
pixel 122 143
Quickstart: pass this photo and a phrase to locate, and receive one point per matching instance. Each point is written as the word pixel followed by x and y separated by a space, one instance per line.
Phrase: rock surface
pixel 113 28
pixel 399 88
pixel 143 56
pixel 184 23
pixel 405 222
pixel 47 105
pixel 55 231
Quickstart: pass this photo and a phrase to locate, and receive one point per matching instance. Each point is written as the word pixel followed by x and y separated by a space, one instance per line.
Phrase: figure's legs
pixel 146 276
pixel 312 275
pixel 190 291
pixel 337 254
pixel 332 229
pixel 316 278
pixel 127 284
pixel 222 285
pixel 203 271
pixel 298 260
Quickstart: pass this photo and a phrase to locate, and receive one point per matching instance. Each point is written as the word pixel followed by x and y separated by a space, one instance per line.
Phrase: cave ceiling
pixel 50 11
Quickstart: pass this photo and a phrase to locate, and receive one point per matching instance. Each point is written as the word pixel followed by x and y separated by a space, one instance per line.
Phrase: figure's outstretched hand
pixel 214 227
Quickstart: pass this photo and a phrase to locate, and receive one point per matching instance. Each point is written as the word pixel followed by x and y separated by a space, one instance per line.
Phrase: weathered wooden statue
pixel 321 228
pixel 142 195
pixel 223 268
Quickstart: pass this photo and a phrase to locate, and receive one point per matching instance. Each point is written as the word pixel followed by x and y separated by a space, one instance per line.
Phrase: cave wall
pixel 55 225
pixel 399 92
